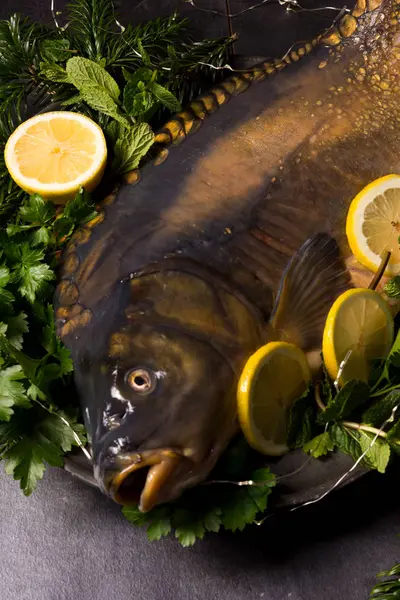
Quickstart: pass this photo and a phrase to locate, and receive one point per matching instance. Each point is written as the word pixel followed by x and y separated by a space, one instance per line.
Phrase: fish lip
pixel 161 463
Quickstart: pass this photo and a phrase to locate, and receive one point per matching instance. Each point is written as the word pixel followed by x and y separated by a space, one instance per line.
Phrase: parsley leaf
pixel 12 391
pixel 45 440
pixel 30 271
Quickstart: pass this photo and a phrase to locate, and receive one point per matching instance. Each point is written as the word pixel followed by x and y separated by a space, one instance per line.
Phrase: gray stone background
pixel 67 542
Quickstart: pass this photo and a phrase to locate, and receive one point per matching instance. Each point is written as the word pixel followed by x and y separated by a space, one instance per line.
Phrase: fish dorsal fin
pixel 190 119
pixel 313 279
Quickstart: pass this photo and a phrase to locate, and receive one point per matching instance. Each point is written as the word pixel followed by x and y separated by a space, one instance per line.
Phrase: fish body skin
pixel 180 272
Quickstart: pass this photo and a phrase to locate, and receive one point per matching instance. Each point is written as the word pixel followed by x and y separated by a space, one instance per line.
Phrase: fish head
pixel 161 402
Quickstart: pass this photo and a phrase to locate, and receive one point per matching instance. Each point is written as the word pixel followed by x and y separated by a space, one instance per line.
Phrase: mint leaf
pixel 37 210
pixel 381 410
pixel 346 442
pixel 352 395
pixel 301 421
pixel 12 391
pixel 76 99
pixel 98 99
pixel 165 97
pixel 54 72
pixel 85 73
pixel 320 445
pixel 378 454
pixel 137 103
pixel 392 288
pixel 55 50
pixel 132 146
pixel 143 75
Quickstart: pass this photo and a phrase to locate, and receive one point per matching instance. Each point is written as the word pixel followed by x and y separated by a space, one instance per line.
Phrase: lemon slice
pixel 373 224
pixel 56 153
pixel 360 321
pixel 273 377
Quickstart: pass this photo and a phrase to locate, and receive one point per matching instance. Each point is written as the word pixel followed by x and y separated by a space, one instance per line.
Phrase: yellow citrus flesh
pixel 272 379
pixel 373 224
pixel 55 154
pixel 360 321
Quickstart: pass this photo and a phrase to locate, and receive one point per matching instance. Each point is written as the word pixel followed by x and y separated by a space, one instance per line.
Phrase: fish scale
pixel 228 239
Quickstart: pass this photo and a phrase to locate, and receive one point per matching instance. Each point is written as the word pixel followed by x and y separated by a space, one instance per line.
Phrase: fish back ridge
pixel 190 119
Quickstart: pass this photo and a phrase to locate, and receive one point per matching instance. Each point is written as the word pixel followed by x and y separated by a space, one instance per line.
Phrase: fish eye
pixel 142 381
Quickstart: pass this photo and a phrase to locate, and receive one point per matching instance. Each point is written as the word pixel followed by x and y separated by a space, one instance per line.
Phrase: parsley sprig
pixel 218 504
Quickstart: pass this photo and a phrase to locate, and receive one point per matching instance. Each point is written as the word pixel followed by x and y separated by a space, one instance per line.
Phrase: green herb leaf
pixel 54 73
pixel 381 410
pixel 76 99
pixel 188 528
pixel 346 441
pixel 17 325
pixel 98 99
pixel 37 210
pixel 392 288
pixel 246 502
pixel 320 445
pixel 46 438
pixel 85 73
pixel 55 50
pixel 12 391
pixel 25 462
pixel 132 146
pixel 31 272
pixel 160 525
pixel 378 453
pixel 301 422
pixel 165 97
pixel 355 443
pixel 351 396
pixel 212 519
pixel 137 103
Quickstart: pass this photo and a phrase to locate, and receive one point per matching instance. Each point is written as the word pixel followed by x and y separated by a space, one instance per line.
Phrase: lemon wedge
pixel 55 154
pixel 373 224
pixel 360 321
pixel 272 379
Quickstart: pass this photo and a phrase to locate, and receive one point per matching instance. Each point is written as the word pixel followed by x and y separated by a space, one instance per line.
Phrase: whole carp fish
pixel 234 235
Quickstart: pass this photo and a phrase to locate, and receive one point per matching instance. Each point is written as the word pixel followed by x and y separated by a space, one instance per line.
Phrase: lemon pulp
pixel 359 321
pixel 274 376
pixel 56 153
pixel 373 224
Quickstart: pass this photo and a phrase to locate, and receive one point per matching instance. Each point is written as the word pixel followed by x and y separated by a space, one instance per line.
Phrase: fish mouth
pixel 143 477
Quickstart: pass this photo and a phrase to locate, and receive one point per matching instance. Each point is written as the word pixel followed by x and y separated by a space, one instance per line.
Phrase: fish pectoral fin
pixel 315 276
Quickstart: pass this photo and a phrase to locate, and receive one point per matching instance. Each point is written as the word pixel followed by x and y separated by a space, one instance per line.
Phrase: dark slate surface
pixel 67 542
